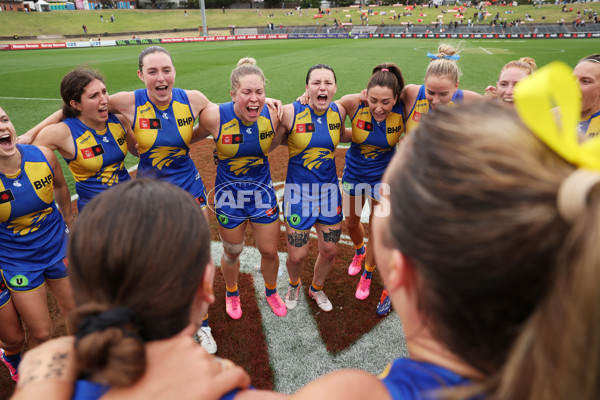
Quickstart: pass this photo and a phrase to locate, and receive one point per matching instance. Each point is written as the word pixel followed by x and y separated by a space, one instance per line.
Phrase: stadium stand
pixel 364 29
pixel 276 30
pixel 246 31
pixel 304 29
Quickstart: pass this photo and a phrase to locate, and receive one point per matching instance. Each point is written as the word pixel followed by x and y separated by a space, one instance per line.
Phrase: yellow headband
pixel 536 97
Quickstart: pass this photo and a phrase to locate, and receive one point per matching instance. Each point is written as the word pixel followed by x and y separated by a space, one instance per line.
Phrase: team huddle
pixel 390 130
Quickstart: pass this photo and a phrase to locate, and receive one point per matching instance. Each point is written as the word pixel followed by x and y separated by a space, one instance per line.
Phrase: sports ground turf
pixel 279 353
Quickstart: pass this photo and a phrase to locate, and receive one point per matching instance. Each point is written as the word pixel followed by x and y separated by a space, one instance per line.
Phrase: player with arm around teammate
pixel 440 87
pixel 312 195
pixel 377 126
pixel 92 141
pixel 244 133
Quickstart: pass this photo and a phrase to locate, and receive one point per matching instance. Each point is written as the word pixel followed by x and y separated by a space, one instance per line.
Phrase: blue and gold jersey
pixel 99 157
pixel 32 231
pixel 163 135
pixel 590 127
pixel 311 144
pixel 422 106
pixel 407 379
pixel 243 149
pixel 373 144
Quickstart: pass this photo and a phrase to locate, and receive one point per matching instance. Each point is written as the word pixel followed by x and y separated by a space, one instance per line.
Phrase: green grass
pixel 36 74
pixel 69 22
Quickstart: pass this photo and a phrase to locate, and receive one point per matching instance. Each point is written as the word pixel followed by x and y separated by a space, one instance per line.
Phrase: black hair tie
pixel 113 318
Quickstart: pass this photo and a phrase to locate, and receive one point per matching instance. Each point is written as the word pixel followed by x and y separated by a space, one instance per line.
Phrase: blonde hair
pixel 245 66
pixel 503 279
pixel 526 64
pixel 442 67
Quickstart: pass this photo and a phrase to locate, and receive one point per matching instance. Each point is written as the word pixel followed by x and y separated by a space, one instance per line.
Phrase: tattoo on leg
pixel 298 239
pixel 333 236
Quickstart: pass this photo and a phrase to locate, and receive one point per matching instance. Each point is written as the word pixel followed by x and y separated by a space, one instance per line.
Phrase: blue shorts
pixel 4 294
pixel 304 208
pixel 234 204
pixel 198 190
pixel 25 281
pixel 359 189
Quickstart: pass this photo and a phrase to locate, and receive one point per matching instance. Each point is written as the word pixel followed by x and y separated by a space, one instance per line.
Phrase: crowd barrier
pixel 128 42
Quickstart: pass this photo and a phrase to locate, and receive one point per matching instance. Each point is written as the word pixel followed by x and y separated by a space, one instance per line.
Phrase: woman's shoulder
pixel 410 377
pixel 344 384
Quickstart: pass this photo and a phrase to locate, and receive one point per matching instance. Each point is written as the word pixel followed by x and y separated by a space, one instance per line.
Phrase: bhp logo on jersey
pixel 266 135
pixel 184 121
pixel 91 152
pixel 392 129
pixel 43 182
pixel 303 128
pixel 231 197
pixel 367 126
pixel 150 123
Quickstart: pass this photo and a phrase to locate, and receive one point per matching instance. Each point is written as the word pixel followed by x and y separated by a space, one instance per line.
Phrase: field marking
pixel 29 98
pixel 294 341
pixel 485 50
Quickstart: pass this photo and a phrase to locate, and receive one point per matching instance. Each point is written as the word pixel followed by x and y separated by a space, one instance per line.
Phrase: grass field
pixel 29 80
pixel 69 22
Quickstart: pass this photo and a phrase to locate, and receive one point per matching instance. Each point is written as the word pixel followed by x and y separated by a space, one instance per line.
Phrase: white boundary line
pixel 28 98
pixel 485 50
pixel 297 352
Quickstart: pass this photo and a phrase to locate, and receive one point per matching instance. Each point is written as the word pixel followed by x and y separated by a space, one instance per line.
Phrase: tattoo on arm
pixel 298 239
pixel 46 369
pixel 333 236
pixel 57 365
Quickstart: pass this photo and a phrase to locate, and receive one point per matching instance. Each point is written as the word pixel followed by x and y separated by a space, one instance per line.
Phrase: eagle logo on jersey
pixel 313 158
pixel 243 164
pixel 164 156
pixel 28 223
pixel 370 151
pixel 110 174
